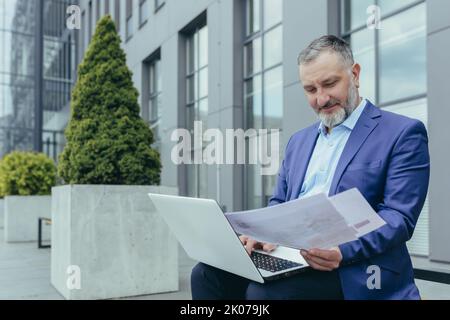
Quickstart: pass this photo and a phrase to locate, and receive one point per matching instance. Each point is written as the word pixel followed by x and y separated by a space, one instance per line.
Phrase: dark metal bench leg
pixel 40 245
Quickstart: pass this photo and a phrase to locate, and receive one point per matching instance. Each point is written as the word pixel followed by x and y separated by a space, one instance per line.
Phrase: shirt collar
pixel 350 122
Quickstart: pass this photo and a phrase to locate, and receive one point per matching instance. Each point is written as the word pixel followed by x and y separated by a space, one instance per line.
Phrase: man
pixel 355 144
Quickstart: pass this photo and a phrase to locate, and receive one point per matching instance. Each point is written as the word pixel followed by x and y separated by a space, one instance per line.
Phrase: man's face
pixel 331 87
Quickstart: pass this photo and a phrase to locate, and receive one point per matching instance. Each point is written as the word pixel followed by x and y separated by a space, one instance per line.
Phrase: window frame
pixel 195 171
pixel 249 38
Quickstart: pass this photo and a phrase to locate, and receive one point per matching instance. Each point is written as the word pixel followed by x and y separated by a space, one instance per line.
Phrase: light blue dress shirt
pixel 326 154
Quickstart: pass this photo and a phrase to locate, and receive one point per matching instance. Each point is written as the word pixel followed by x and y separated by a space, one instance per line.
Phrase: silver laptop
pixel 206 235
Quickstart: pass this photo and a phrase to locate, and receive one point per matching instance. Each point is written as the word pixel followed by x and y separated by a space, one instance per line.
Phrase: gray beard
pixel 340 115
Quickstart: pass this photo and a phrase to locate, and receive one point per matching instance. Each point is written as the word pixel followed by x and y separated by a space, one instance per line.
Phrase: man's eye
pixel 330 84
pixel 312 90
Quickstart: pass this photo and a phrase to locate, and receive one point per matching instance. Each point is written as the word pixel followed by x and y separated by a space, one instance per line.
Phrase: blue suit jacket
pixel 386 158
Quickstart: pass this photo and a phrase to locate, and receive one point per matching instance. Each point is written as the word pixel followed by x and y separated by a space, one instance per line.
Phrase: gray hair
pixel 327 43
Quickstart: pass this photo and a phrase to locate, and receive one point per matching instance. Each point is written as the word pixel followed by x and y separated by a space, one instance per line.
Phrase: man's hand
pixel 251 245
pixel 323 260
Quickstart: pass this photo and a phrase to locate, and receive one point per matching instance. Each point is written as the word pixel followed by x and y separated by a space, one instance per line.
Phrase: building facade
pixel 233 64
pixel 37 72
pixel 17 40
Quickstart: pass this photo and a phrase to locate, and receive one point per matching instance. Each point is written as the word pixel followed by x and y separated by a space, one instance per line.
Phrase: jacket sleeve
pixel 279 194
pixel 404 195
pixel 280 191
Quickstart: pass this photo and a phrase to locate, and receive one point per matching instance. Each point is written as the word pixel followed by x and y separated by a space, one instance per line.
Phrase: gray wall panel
pixel 438 115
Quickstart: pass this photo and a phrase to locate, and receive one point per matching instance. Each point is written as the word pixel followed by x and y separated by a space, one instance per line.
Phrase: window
pixel 263 86
pixel 394 57
pixel 143 11
pixel 83 33
pixel 97 10
pixel 159 4
pixel 90 21
pixel 197 102
pixel 107 7
pixel 393 67
pixel 129 20
pixel 155 103
pixel 117 14
pixel 403 55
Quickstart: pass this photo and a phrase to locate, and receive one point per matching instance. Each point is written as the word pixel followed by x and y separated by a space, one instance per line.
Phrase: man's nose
pixel 322 99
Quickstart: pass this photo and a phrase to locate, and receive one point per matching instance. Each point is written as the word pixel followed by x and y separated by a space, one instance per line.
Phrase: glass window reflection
pixel 403 55
pixel 273 47
pixel 253 102
pixel 273 13
pixel 203 83
pixel 273 98
pixel 253 57
pixel 155 95
pixel 203 47
pixel 363 47
pixel 355 13
pixel 143 11
pixel 252 16
pixel 254 185
pixel 388 6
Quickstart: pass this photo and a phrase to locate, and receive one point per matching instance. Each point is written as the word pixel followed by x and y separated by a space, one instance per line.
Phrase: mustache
pixel 330 104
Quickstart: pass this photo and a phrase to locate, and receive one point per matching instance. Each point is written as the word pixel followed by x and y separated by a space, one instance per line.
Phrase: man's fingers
pixel 250 245
pixel 322 262
pixel 324 254
pixel 319 263
pixel 317 266
pixel 243 239
pixel 268 247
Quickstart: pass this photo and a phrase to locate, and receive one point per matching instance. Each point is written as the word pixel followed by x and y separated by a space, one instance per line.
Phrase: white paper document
pixel 313 222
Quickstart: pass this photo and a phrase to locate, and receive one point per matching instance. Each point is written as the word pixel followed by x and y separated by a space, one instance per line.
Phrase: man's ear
pixel 356 70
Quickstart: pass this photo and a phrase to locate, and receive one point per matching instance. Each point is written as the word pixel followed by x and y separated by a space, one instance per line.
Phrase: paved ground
pixel 25 274
pixel 25 271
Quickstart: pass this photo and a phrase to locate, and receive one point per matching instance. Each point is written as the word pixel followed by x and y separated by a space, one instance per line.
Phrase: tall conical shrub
pixel 107 140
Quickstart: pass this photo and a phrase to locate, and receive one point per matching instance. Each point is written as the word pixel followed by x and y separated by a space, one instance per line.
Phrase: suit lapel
pixel 364 126
pixel 303 155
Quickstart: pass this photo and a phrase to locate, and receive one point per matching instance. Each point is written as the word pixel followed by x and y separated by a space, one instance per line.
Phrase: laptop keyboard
pixel 271 263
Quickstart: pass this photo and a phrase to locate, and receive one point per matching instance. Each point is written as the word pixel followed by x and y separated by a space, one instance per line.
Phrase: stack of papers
pixel 314 222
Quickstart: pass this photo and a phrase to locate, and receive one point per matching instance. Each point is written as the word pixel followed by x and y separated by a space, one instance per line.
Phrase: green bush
pixel 26 173
pixel 107 140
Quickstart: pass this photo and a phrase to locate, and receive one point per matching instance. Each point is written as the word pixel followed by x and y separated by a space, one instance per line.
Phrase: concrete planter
pixel 108 242
pixel 2 213
pixel 21 217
